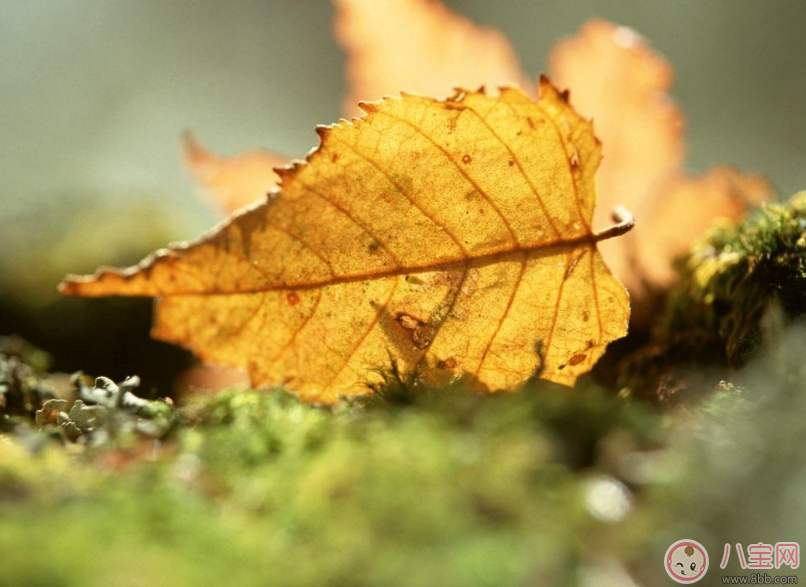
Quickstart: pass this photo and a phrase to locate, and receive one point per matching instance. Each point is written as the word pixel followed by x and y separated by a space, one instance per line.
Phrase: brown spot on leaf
pixel 577 359
pixel 422 333
pixel 466 159
pixel 407 321
pixel 292 297
pixel 449 363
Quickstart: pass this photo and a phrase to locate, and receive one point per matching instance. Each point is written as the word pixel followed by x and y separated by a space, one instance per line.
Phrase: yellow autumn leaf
pixel 451 236
pixel 614 77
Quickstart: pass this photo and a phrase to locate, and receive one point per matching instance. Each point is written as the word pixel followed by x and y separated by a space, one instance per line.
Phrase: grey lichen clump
pixel 94 415
pixel 105 412
pixel 740 278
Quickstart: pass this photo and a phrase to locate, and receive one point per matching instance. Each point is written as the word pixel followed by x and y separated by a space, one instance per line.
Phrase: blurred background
pixel 96 95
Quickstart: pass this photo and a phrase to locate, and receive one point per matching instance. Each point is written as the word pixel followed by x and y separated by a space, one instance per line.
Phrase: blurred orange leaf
pixel 684 207
pixel 618 80
pixel 232 182
pixel 419 46
pixel 451 236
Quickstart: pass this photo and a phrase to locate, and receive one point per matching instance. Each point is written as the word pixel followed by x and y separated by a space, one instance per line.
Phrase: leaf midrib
pixel 443 265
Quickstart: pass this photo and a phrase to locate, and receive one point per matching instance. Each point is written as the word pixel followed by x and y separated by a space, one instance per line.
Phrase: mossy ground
pixel 256 488
pixel 543 486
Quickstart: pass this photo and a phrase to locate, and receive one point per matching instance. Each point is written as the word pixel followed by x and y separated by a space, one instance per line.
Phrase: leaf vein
pixel 353 219
pixel 518 164
pixel 349 356
pixel 406 195
pixel 550 336
pixel 299 328
pixel 285 231
pixel 595 287
pixel 504 316
pixel 451 306
pixel 583 219
pixel 462 172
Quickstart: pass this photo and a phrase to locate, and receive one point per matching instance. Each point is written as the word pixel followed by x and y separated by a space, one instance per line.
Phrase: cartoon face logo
pixel 686 561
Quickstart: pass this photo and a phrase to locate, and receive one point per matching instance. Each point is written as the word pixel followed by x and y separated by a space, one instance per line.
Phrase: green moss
pixel 738 289
pixel 456 490
pixel 737 274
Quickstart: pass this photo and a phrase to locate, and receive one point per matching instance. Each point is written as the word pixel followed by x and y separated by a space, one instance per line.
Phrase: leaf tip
pixel 68 286
pixel 565 95
pixel 322 131
pixel 368 107
pixel 286 171
pixel 82 285
pixel 196 155
pixel 545 88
